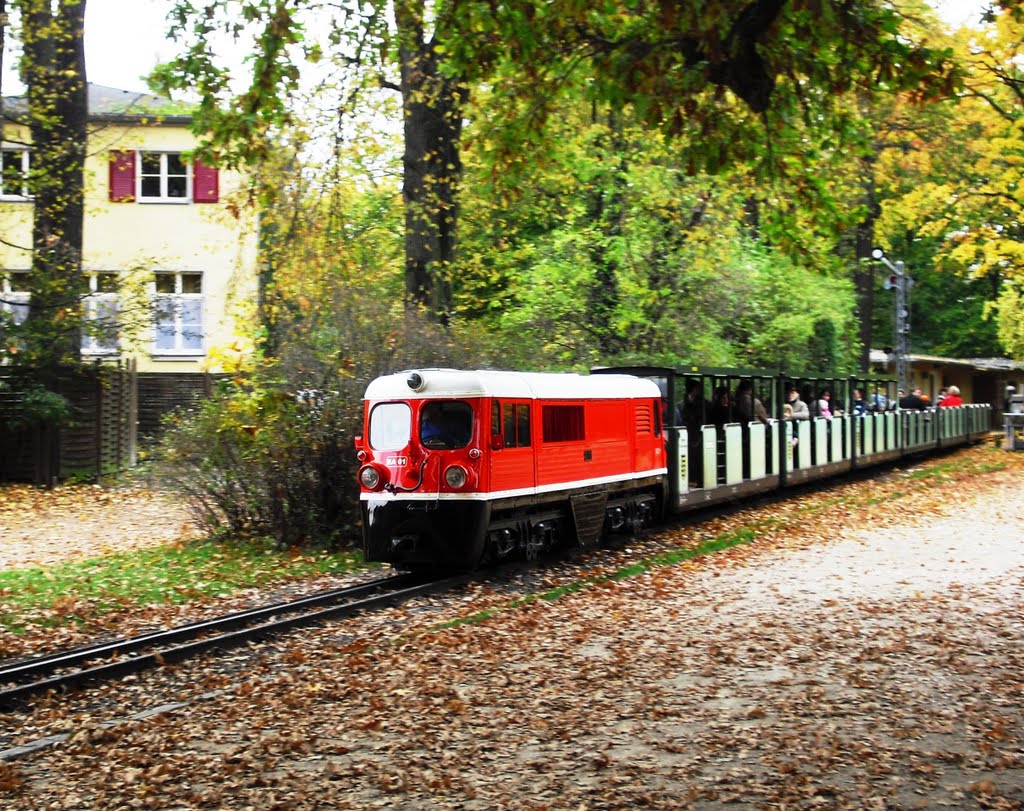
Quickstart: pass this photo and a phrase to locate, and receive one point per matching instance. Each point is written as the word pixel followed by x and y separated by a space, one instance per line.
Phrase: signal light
pixel 891 282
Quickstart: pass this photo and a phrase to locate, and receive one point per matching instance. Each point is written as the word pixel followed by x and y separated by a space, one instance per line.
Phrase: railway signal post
pixel 899 281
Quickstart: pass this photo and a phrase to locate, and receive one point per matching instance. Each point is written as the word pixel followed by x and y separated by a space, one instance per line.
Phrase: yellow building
pixel 170 249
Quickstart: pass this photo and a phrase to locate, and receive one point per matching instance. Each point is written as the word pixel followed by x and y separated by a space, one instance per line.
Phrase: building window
pixel 163 177
pixel 14 295
pixel 100 332
pixel 147 176
pixel 14 173
pixel 178 318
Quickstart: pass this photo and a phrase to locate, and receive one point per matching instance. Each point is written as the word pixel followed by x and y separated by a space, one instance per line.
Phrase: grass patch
pixel 70 592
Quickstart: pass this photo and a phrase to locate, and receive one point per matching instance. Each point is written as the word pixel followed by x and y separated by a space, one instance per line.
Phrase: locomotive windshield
pixel 446 425
pixel 390 426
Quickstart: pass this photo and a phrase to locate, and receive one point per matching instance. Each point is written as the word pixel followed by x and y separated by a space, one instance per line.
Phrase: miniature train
pixel 459 468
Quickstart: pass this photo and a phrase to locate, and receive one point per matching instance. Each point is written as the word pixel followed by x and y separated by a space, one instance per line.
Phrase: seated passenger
pixel 860 405
pixel 720 411
pixel 913 401
pixel 798 408
pixel 952 398
pixel 693 407
pixel 824 399
pixel 748 407
pixel 692 411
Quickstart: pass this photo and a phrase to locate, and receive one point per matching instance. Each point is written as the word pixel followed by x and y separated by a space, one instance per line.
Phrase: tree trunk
pixel 864 275
pixel 54 72
pixel 432 107
pixel 605 212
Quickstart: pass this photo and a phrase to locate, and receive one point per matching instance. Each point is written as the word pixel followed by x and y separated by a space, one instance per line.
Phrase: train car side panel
pixel 511 451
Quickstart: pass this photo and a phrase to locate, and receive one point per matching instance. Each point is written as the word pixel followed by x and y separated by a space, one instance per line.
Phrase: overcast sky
pixel 125 39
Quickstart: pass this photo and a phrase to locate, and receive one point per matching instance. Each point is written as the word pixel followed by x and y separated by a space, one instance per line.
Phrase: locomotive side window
pixel 562 423
pixel 508 417
pixel 390 426
pixel 515 425
pixel 523 425
pixel 445 425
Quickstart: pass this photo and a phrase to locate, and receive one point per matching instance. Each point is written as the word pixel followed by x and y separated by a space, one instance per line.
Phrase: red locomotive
pixel 458 467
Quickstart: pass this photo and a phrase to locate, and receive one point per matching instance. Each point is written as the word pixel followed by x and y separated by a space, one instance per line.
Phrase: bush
pixel 271 451
pixel 259 459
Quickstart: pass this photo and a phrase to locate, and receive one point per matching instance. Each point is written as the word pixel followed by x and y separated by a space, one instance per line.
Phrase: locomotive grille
pixel 644 421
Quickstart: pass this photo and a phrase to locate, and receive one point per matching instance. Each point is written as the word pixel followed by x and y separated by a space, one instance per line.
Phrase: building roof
pixel 881 358
pixel 112 105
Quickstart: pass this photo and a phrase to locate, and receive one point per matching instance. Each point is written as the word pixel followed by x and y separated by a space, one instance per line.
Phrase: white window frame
pixel 175 299
pixel 94 345
pixel 13 299
pixel 164 176
pixel 26 162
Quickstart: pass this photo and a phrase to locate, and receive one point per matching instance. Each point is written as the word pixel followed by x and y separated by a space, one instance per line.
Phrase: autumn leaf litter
pixel 865 654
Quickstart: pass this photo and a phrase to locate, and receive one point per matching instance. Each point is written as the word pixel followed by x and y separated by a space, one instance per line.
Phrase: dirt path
pixel 42 527
pixel 872 659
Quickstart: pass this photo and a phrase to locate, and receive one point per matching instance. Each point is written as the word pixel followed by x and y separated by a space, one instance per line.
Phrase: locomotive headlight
pixel 455 476
pixel 369 477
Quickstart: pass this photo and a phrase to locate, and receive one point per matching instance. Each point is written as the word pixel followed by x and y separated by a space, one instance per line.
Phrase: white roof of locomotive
pixel 519 385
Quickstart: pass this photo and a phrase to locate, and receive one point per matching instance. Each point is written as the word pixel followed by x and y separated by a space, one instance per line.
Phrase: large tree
pixel 52 67
pixel 755 81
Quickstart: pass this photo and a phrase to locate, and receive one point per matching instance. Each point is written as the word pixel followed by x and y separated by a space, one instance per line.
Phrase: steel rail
pixel 48 663
pixel 388 591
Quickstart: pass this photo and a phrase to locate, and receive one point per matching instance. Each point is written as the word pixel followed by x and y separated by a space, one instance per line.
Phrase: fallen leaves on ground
pixel 834 662
pixel 40 527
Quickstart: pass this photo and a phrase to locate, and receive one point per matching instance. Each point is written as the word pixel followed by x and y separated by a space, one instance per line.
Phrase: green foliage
pixel 238 128
pixel 70 592
pixel 790 316
pixel 32 405
pixel 609 251
pixel 957 189
pixel 1010 318
pixel 733 83
pixel 766 95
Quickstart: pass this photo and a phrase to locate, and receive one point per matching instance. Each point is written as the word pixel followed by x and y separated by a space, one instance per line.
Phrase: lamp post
pixel 901 283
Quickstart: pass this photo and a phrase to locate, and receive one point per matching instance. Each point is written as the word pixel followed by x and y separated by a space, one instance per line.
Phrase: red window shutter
pixel 205 184
pixel 122 176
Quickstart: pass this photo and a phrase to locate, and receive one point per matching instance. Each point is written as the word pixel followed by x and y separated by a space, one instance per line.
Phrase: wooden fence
pixel 163 392
pixel 100 438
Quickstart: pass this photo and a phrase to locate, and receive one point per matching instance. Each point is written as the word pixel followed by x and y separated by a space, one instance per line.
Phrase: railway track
pixel 107 661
